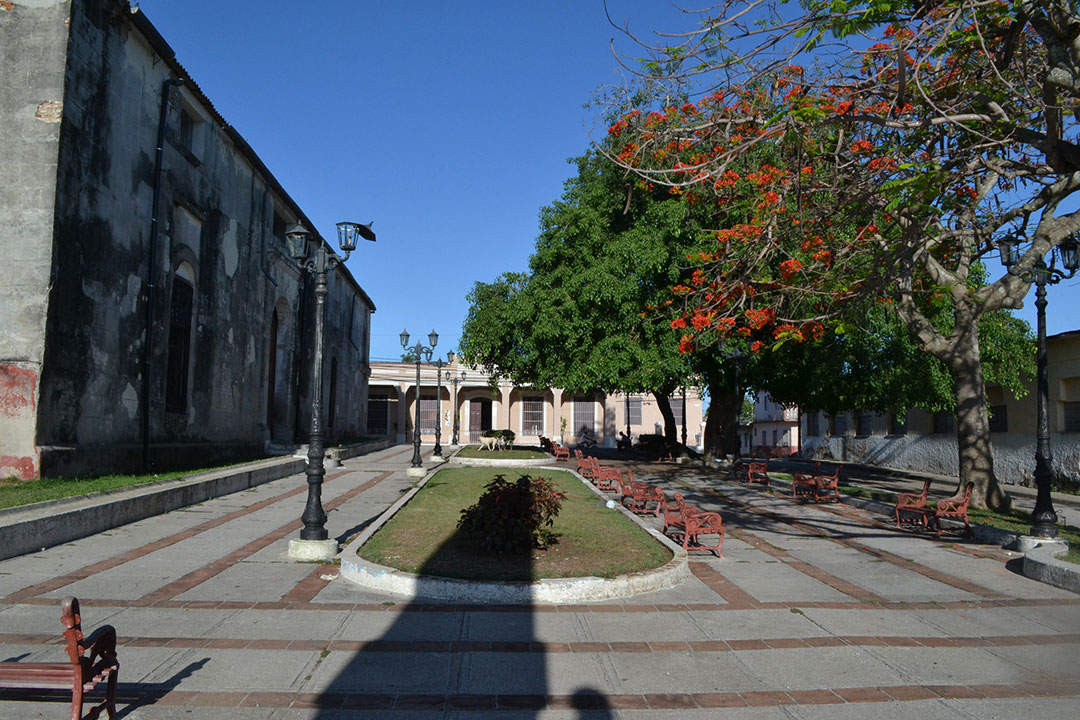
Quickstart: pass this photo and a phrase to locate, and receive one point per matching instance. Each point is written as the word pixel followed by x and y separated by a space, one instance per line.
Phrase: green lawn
pixel 517 453
pixel 15 492
pixel 593 539
pixel 19 492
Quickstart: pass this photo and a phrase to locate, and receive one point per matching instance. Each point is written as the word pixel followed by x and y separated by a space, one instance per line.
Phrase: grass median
pixel 517 453
pixel 15 493
pixel 593 540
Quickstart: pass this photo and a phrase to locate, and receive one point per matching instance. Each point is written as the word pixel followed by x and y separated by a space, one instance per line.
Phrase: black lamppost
pixel 455 379
pixel 684 416
pixel 439 365
pixel 421 353
pixel 298 238
pixel 1043 518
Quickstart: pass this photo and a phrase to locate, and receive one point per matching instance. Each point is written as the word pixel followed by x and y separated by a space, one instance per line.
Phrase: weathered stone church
pixel 150 315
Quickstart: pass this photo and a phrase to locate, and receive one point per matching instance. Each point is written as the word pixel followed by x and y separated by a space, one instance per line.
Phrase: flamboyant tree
pixel 903 140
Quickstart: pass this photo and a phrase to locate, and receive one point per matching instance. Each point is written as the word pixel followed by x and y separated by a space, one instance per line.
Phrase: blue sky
pixel 448 123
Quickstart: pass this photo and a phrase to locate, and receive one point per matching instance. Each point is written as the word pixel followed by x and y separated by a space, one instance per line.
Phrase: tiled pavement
pixel 816 612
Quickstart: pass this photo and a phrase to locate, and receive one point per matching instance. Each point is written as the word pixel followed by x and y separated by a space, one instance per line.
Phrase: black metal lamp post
pixel 439 365
pixel 324 260
pixel 455 379
pixel 1043 518
pixel 421 353
pixel 684 416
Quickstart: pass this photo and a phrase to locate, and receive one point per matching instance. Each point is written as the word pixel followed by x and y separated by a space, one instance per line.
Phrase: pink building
pixel 484 403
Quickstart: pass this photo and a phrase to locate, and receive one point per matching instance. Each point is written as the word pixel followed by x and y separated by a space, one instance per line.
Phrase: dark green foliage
pixel 513 517
pixel 506 436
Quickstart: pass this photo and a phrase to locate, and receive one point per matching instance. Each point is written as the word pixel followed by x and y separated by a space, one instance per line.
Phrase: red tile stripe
pixel 206 572
pixel 614 647
pixel 897 560
pixel 139 695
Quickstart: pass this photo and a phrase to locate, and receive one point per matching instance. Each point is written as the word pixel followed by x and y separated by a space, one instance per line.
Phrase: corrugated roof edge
pixel 161 47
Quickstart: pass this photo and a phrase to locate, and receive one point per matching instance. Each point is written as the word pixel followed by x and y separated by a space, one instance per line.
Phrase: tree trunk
pixel 976 454
pixel 722 425
pixel 671 433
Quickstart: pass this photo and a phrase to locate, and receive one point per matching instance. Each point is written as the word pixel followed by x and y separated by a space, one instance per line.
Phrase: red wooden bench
pixel 911 507
pixel 640 495
pixel 561 453
pixel 604 477
pixel 690 523
pixel 802 483
pixel 92 661
pixel 758 472
pixel 954 509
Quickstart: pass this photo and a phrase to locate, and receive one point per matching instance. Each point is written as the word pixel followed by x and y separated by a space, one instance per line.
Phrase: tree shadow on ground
pixel 444 656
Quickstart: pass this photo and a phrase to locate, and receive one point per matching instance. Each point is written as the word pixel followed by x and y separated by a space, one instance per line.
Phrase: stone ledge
pixel 1041 563
pixel 494 462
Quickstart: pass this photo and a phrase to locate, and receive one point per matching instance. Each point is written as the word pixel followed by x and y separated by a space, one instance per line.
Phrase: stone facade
pixel 134 205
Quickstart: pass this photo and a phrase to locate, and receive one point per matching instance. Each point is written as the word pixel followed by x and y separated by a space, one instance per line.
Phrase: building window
pixel 428 415
pixel 1072 416
pixel 943 423
pixel 583 416
pixel 633 411
pixel 774 434
pixel 866 423
pixel 532 415
pixel 189 134
pixel 378 414
pixel 178 362
pixel 999 418
pixel 813 424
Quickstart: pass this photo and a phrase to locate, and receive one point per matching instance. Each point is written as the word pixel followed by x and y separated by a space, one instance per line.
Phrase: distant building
pixel 147 305
pixel 927 442
pixel 775 432
pixel 483 404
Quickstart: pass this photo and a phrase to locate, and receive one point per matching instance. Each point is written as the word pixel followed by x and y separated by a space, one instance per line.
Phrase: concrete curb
pixel 31 528
pixel 555 590
pixel 492 462
pixel 1041 563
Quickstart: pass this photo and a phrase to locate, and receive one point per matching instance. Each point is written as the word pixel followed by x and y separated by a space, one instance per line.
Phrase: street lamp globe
pixel 1009 248
pixel 1070 252
pixel 296 238
pixel 349 233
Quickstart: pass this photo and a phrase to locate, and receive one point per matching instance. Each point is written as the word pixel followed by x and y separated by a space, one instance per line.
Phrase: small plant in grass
pixel 513 517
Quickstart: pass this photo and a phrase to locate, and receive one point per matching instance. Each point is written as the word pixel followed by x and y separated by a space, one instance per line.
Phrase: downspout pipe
pixel 151 288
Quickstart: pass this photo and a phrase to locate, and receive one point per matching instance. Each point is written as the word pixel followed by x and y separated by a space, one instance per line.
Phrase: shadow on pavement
pixel 440 656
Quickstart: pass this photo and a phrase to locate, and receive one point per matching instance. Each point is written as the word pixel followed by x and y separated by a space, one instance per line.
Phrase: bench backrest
pixel 73 634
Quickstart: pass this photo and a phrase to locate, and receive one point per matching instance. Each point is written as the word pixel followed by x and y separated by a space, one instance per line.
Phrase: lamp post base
pixel 415 472
pixel 313 549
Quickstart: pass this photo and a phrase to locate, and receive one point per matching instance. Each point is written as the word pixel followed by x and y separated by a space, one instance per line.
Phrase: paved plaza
pixel 816 612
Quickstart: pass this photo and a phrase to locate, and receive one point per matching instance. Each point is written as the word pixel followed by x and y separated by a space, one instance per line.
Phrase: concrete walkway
pixel 816 612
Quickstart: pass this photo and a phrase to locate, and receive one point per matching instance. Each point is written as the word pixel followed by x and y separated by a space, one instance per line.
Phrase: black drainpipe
pixel 152 252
